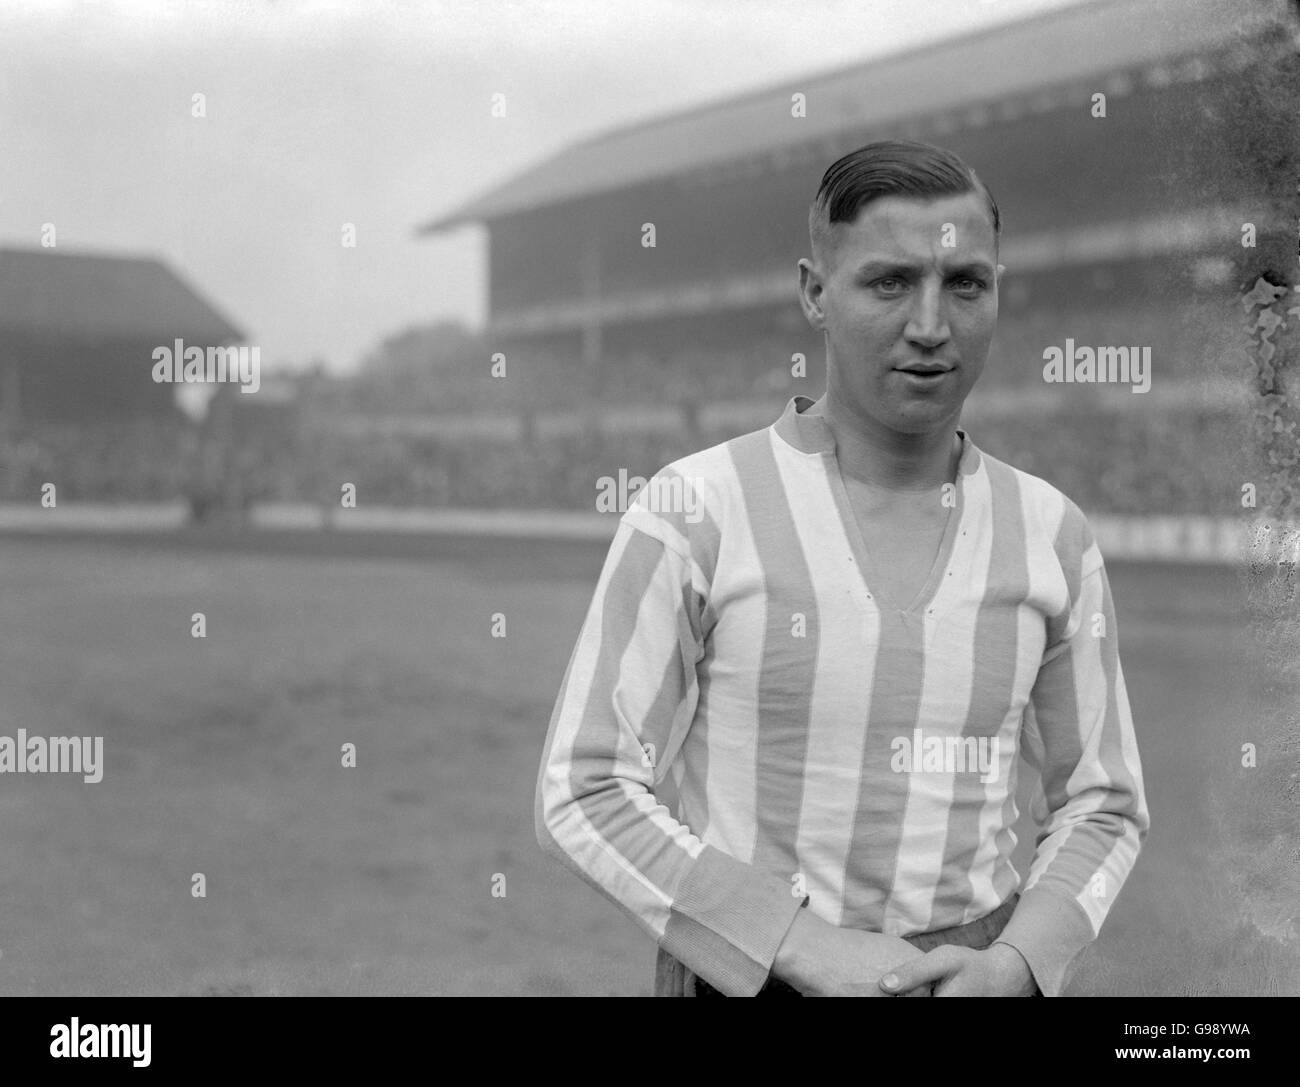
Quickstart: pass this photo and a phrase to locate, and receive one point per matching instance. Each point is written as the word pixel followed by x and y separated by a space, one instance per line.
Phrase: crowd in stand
pixel 1189 462
pixel 127 461
pixel 1134 461
pixel 1184 463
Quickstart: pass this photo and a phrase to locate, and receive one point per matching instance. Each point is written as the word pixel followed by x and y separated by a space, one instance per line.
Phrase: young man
pixel 837 643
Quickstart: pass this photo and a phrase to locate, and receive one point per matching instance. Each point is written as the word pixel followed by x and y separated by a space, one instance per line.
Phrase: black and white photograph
pixel 676 499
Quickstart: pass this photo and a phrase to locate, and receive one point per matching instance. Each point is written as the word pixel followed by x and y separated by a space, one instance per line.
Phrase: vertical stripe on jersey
pixel 894 710
pixel 848 624
pixel 946 693
pixel 786 677
pixel 733 658
pixel 995 655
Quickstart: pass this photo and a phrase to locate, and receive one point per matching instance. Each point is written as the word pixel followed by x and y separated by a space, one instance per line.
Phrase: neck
pixel 877 456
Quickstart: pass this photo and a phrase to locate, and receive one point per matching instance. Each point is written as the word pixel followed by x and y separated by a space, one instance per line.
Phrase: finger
pixel 931 967
pixel 874 990
pixel 923 988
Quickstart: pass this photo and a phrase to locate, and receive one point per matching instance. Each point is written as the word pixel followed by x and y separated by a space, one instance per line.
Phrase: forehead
pixel 903 226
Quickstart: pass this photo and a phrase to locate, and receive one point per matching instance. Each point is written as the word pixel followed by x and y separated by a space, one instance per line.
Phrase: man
pixel 836 647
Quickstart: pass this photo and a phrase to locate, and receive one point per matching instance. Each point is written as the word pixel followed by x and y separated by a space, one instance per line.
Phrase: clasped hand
pixel 821 959
pixel 949 970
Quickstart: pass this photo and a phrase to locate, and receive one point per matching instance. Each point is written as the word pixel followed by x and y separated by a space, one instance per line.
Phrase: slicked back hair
pixel 888 168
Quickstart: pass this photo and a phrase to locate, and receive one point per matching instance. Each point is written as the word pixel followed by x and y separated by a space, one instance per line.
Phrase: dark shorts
pixel 672 978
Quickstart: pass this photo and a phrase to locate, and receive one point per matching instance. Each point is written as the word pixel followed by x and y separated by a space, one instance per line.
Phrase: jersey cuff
pixel 728 920
pixel 1049 931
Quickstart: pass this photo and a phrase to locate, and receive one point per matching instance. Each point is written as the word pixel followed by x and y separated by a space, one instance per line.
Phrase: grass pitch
pixel 222 756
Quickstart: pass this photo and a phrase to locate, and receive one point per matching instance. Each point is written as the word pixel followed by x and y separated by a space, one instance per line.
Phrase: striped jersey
pixel 744 724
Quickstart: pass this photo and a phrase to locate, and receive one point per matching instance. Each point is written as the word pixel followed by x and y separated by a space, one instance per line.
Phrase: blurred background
pixel 427 223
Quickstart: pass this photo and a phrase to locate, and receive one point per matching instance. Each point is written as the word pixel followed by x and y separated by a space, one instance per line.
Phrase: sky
pixel 373 113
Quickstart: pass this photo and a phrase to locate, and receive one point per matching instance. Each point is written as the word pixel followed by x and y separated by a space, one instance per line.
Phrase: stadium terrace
pixel 181 364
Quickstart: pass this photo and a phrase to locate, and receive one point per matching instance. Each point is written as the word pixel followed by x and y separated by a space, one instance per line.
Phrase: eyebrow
pixel 892 267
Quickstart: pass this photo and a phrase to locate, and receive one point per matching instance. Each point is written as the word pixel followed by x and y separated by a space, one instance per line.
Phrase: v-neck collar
pixel 871 573
pixel 810 434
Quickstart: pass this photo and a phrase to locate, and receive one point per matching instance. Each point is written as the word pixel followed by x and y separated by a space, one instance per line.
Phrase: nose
pixel 927 325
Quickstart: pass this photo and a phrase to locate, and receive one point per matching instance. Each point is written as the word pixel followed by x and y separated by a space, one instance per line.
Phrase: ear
pixel 810 293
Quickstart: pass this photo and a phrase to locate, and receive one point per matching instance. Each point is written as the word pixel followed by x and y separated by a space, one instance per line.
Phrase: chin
pixel 926 421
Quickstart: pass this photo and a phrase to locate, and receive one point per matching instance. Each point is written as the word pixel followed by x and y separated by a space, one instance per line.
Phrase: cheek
pixel 971 375
pixel 975 331
pixel 865 324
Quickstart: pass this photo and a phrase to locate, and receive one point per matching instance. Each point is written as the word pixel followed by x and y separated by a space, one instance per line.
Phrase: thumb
pixel 928 968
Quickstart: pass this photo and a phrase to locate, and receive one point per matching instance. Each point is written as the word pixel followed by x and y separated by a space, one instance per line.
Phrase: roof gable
pixel 100 296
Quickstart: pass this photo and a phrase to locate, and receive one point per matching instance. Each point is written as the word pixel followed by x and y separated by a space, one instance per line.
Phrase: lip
pixel 924 371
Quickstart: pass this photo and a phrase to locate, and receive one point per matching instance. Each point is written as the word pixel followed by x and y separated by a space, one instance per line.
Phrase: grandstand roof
pixel 99 296
pixel 1005 61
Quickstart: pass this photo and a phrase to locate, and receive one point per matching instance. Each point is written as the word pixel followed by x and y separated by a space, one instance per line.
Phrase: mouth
pixel 924 371
pixel 922 377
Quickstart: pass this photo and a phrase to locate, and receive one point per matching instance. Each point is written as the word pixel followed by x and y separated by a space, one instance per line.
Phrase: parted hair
pixel 888 168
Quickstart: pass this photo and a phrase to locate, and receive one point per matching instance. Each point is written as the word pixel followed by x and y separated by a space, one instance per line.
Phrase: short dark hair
pixel 889 168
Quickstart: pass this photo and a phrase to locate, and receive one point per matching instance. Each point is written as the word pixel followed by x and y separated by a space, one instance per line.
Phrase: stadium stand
pixel 1114 234
pixel 626 358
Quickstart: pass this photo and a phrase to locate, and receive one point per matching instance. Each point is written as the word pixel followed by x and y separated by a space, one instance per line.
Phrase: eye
pixel 968 284
pixel 888 284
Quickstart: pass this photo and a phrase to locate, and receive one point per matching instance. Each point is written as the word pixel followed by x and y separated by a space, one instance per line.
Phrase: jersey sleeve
pixel 626 704
pixel 1090 806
